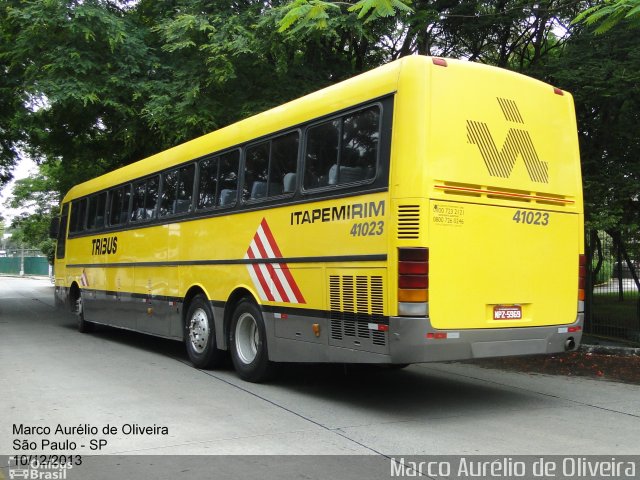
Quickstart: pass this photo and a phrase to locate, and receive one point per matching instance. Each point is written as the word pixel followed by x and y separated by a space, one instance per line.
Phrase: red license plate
pixel 507 312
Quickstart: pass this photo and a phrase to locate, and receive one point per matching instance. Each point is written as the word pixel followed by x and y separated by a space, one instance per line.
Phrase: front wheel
pixel 248 342
pixel 83 325
pixel 199 335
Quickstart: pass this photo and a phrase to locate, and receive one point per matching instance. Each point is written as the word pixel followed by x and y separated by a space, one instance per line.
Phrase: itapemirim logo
pixel 500 162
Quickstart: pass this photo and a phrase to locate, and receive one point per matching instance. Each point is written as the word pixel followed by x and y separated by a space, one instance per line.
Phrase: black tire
pixel 397 366
pixel 200 334
pixel 248 343
pixel 78 309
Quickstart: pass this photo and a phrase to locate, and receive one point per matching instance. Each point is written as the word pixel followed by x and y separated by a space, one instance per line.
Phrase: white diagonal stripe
pixel 280 274
pixel 256 281
pixel 285 284
pixel 265 243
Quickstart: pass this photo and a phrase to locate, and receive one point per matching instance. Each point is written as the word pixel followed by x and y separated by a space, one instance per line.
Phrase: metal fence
pixel 25 262
pixel 613 299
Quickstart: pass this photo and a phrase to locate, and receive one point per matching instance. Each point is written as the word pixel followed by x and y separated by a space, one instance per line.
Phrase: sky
pixel 23 169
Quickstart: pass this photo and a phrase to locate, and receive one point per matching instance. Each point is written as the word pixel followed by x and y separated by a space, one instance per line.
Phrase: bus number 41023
pixel 531 218
pixel 366 229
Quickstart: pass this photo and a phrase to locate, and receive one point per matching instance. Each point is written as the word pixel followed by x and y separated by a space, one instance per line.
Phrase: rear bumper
pixel 408 342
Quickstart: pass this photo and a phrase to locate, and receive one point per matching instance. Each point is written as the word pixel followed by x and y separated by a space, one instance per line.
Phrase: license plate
pixel 507 312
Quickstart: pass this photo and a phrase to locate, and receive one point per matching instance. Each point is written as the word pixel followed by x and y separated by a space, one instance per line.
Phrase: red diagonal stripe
pixel 292 283
pixel 285 268
pixel 261 279
pixel 271 270
pixel 269 235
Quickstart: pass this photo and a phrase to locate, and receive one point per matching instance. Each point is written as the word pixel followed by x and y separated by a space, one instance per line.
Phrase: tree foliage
pixel 37 194
pixel 603 72
pixel 606 15
pixel 90 85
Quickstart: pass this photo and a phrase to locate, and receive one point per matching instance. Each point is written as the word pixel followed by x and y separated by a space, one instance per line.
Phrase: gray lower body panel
pixel 291 338
pixel 409 343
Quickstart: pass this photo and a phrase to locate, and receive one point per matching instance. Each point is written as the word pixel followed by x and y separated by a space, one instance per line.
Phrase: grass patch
pixel 610 316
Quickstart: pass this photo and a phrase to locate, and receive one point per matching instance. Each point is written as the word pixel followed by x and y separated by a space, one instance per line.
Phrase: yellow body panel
pixel 497 264
pixel 227 238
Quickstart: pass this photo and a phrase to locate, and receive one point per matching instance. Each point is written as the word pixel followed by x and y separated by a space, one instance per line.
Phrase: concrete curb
pixel 610 350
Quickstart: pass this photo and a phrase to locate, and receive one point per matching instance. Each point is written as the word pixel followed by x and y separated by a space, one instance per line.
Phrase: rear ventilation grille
pixel 355 302
pixel 408 221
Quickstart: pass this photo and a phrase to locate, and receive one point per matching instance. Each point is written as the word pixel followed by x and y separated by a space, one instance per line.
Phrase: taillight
pixel 413 281
pixel 582 276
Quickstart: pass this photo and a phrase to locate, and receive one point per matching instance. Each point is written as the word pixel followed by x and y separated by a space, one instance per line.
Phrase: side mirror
pixel 54 227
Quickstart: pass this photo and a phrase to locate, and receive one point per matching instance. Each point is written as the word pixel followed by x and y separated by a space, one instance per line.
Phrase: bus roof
pixel 373 84
pixel 369 85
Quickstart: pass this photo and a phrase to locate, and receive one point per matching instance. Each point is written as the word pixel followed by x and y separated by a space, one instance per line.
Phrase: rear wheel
pixel 248 341
pixel 199 335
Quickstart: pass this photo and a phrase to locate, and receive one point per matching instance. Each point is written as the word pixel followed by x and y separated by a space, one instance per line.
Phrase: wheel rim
pixel 199 330
pixel 247 338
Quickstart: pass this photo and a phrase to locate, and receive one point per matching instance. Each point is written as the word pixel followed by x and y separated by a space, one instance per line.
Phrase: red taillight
pixel 582 276
pixel 436 335
pixel 557 91
pixel 574 329
pixel 413 281
pixel 413 268
pixel 413 254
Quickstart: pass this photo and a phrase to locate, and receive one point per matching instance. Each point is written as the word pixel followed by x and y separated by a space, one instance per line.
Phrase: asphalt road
pixel 158 404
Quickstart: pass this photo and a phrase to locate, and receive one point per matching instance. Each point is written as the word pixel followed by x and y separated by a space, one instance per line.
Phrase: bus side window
pixel 126 201
pixel 208 182
pixel 321 153
pixel 137 205
pixel 184 192
pixel 169 190
pixel 256 172
pixel 119 205
pixel 227 184
pixel 344 150
pixel 97 204
pixel 151 197
pixel 360 137
pixel 284 159
pixel 78 213
pixel 62 232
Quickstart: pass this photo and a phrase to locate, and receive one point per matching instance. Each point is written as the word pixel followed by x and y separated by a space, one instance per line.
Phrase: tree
pixel 91 85
pixel 37 194
pixel 81 66
pixel 610 13
pixel 603 72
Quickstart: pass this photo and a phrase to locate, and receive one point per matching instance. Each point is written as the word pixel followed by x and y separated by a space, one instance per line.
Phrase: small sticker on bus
pixel 448 215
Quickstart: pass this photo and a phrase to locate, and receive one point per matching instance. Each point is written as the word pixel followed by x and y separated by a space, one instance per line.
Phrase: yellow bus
pixel 429 209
